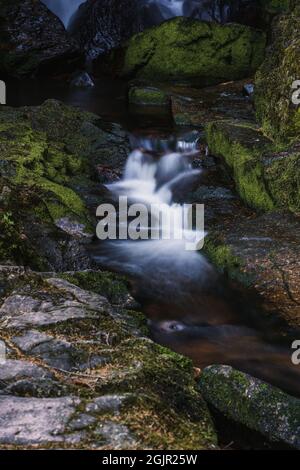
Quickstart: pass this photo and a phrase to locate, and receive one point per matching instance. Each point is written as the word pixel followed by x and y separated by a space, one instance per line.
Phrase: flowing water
pixel 64 9
pixel 190 307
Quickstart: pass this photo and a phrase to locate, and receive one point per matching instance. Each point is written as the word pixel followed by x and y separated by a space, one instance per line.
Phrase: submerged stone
pixel 148 96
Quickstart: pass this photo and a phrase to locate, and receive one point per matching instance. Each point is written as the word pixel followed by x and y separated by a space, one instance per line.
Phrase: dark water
pixel 108 99
pixel 190 308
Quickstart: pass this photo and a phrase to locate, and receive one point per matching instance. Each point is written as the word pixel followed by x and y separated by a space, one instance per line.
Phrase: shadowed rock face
pixel 34 40
pixel 102 25
pixel 244 11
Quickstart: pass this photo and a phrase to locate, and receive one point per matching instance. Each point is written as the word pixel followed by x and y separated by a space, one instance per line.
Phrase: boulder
pixel 48 184
pixel 253 403
pixel 33 40
pixel 134 379
pixel 265 177
pixel 100 25
pixel 148 96
pixel 190 51
pixel 275 80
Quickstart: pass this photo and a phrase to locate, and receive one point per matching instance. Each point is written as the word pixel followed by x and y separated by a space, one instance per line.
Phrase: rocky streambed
pixel 84 368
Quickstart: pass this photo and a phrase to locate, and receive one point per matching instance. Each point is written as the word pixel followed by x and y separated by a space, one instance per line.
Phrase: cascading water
pixel 64 9
pixel 155 180
pixel 190 307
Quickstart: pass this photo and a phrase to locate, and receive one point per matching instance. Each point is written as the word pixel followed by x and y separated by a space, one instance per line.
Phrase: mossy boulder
pixel 148 96
pixel 49 156
pixel 253 403
pixel 265 177
pixel 130 392
pixel 278 114
pixel 33 40
pixel 191 51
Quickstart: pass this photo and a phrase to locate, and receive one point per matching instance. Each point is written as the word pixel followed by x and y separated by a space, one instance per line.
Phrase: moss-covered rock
pixel 47 172
pixel 144 394
pixel 148 96
pixel 266 178
pixel 253 403
pixel 186 50
pixel 280 117
pixel 34 40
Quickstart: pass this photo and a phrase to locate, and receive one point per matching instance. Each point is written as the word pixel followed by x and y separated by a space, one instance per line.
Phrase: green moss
pixel 186 50
pixel 278 115
pixel 66 201
pixel 251 402
pixel 148 96
pixel 265 176
pixel 282 174
pixel 111 285
pixel 226 262
pixel 242 149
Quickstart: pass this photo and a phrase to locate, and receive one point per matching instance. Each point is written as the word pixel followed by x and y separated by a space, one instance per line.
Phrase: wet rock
pixel 253 403
pixel 101 25
pixel 197 107
pixel 170 52
pixel 148 96
pixel 248 89
pixel 262 252
pixel 83 80
pixel 278 114
pixel 50 153
pixel 34 40
pixel 265 178
pixel 29 421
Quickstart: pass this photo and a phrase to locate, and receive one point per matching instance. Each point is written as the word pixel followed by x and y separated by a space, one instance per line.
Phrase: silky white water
pixel 154 181
pixel 64 9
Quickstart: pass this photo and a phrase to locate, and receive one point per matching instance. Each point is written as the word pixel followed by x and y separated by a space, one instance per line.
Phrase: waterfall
pixel 64 9
pixel 152 179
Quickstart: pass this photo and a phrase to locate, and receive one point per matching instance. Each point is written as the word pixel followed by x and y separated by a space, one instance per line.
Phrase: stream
pixel 190 307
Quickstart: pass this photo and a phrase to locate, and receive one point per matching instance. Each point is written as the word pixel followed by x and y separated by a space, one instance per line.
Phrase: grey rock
pixel 41 388
pixel 82 80
pixel 14 370
pixel 56 353
pixel 72 228
pixel 116 435
pixel 81 422
pixel 107 403
pixel 92 300
pixel 22 311
pixel 253 403
pixel 248 89
pixel 29 421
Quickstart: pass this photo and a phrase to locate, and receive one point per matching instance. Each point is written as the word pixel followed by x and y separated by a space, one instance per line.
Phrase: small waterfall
pixel 151 179
pixel 64 9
